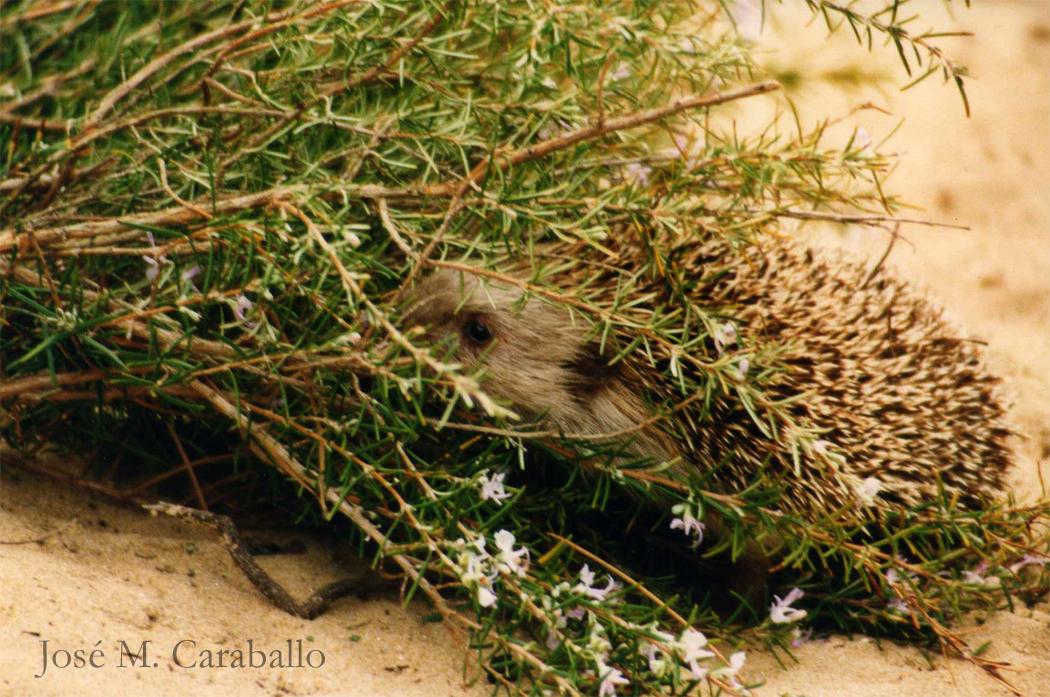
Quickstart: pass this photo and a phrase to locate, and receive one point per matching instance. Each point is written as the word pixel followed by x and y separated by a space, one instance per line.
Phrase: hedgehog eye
pixel 477 331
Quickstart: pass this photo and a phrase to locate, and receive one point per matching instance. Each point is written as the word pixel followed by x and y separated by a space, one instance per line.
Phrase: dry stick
pixel 87 9
pixel 48 87
pixel 149 483
pixel 272 450
pixel 38 12
pixel 44 383
pixel 957 644
pixel 36 122
pixel 179 215
pixel 315 605
pixel 856 219
pixel 163 171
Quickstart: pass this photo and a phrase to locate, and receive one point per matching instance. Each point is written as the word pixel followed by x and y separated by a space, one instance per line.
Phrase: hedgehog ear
pixel 590 369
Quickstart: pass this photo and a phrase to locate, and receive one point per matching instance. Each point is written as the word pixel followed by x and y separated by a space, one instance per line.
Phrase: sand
pixel 105 573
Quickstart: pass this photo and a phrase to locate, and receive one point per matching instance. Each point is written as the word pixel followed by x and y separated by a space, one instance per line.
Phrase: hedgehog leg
pixel 743 578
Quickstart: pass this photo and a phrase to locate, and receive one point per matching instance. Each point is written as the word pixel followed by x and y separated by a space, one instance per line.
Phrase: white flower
pixel 598 644
pixel 898 605
pixel 781 612
pixel 622 72
pixel 637 172
pixel 977 576
pixel 725 335
pixel 510 560
pixel 820 447
pixel 688 523
pixel 475 569
pixel 868 489
pixel 729 672
pixel 742 368
pixel 658 663
pixel 486 598
pixel 893 576
pixel 610 679
pixel 692 647
pixel 492 487
pixel 152 268
pixel 586 585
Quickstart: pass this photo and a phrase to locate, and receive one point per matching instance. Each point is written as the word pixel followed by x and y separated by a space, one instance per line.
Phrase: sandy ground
pixel 103 573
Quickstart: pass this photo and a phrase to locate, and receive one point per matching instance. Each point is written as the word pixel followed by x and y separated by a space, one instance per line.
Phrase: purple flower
pixel 1028 560
pixel 898 605
pixel 610 679
pixel 577 613
pixel 687 523
pixel 781 612
pixel 638 173
pixel 153 262
pixel 241 306
pixel 977 575
pixel 725 336
pixel 492 487
pixel 622 72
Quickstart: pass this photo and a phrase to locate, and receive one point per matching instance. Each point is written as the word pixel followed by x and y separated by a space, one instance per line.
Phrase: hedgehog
pixel 898 409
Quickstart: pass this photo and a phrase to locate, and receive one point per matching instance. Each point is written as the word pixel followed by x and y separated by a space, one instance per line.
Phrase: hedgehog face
pixel 529 353
pixel 535 356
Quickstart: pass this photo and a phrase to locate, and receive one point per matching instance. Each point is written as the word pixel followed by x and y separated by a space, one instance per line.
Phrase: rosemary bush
pixel 209 215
